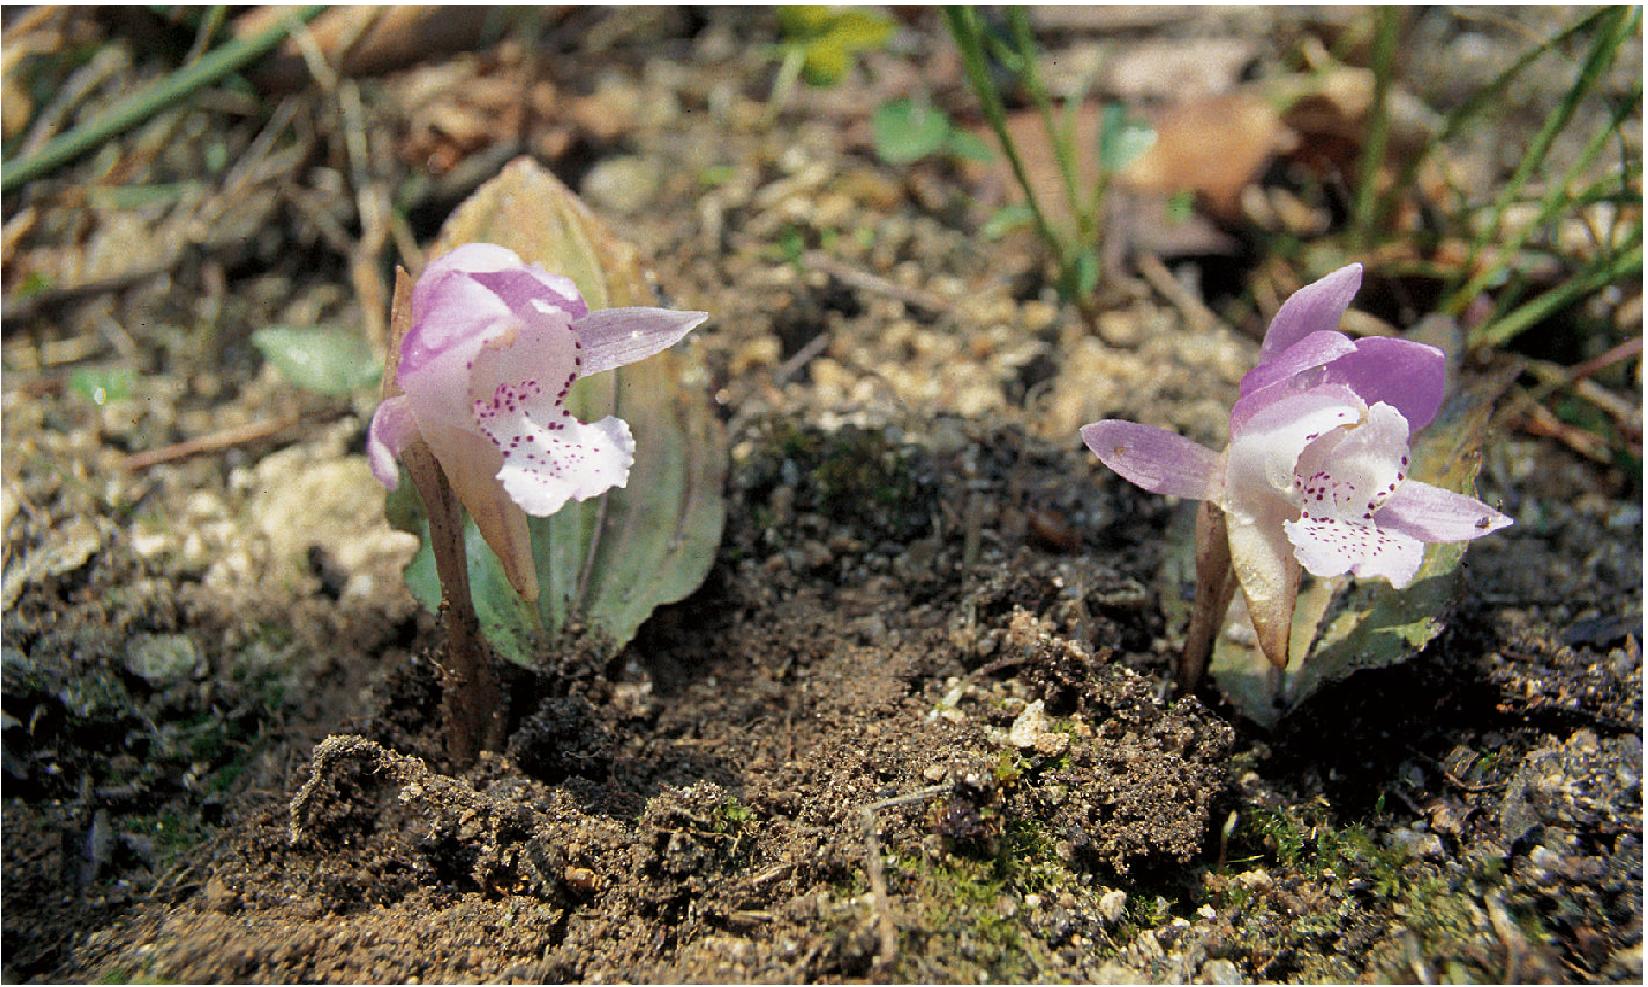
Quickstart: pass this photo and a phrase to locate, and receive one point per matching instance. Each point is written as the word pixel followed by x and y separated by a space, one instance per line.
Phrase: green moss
pixel 856 476
pixel 731 816
pixel 172 834
pixel 1336 883
pixel 1302 838
pixel 970 910
pixel 963 921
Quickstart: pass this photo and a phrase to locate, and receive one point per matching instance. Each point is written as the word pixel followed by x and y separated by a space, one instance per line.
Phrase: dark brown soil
pixel 917 724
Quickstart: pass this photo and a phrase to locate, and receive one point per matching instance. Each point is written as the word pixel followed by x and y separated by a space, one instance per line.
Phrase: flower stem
pixel 471 703
pixel 1215 588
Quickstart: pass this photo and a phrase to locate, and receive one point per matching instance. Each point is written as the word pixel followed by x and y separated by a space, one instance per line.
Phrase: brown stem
pixel 1215 586
pixel 471 702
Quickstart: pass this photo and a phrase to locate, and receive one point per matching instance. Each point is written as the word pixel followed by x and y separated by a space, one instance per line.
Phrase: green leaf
pixel 1340 625
pixel 907 131
pixel 828 38
pixel 610 561
pixel 968 146
pixel 1006 220
pixel 329 360
pixel 1086 272
pixel 100 386
pixel 1122 139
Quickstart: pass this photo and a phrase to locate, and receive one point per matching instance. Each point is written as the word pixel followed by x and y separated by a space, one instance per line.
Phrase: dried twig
pixel 863 280
pixel 213 442
pixel 878 877
pixel 1200 317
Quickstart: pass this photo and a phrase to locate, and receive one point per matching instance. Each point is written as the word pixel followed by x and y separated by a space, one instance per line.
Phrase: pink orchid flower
pixel 494 346
pixel 1315 474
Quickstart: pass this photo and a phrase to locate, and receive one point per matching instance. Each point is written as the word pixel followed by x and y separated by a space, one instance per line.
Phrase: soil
pixel 917 725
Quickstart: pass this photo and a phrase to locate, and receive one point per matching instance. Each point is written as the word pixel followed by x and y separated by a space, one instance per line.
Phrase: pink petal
pixel 1259 497
pixel 471 466
pixel 450 311
pixel 1409 376
pixel 1328 547
pixel 1348 473
pixel 521 286
pixel 392 428
pixel 1313 350
pixel 1431 514
pixel 1316 307
pixel 1160 461
pixel 615 336
pixel 470 258
pixel 517 389
pixel 1264 450
pixel 503 271
pixel 1269 576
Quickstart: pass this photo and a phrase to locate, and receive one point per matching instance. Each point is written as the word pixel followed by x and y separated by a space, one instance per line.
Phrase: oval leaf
pixel 907 131
pixel 329 360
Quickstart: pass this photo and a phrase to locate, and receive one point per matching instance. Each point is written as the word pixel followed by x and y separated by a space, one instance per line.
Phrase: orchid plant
pixel 494 347
pixel 486 350
pixel 1315 476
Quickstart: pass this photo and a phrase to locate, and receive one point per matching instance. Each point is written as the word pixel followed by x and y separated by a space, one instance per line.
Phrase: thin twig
pixel 863 280
pixel 213 442
pixel 878 877
pixel 1200 317
pixel 1624 351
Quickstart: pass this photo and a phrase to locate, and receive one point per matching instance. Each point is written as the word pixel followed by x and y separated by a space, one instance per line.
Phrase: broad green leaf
pixel 610 561
pixel 1341 625
pixel 326 359
pixel 1122 139
pixel 906 130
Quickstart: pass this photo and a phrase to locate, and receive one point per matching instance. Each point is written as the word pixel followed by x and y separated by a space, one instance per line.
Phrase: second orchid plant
pixel 1315 476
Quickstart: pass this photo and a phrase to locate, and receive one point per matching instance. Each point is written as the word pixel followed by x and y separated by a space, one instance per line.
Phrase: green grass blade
pixel 1063 148
pixel 1461 116
pixel 1601 273
pixel 220 62
pixel 1612 34
pixel 964 28
pixel 1363 214
pixel 1556 200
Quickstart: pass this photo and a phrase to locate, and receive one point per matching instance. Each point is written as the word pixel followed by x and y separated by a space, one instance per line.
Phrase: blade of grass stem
pixel 1604 47
pixel 221 61
pixel 1457 119
pixel 1063 147
pixel 1364 215
pixel 964 28
pixel 1556 199
pixel 1603 272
